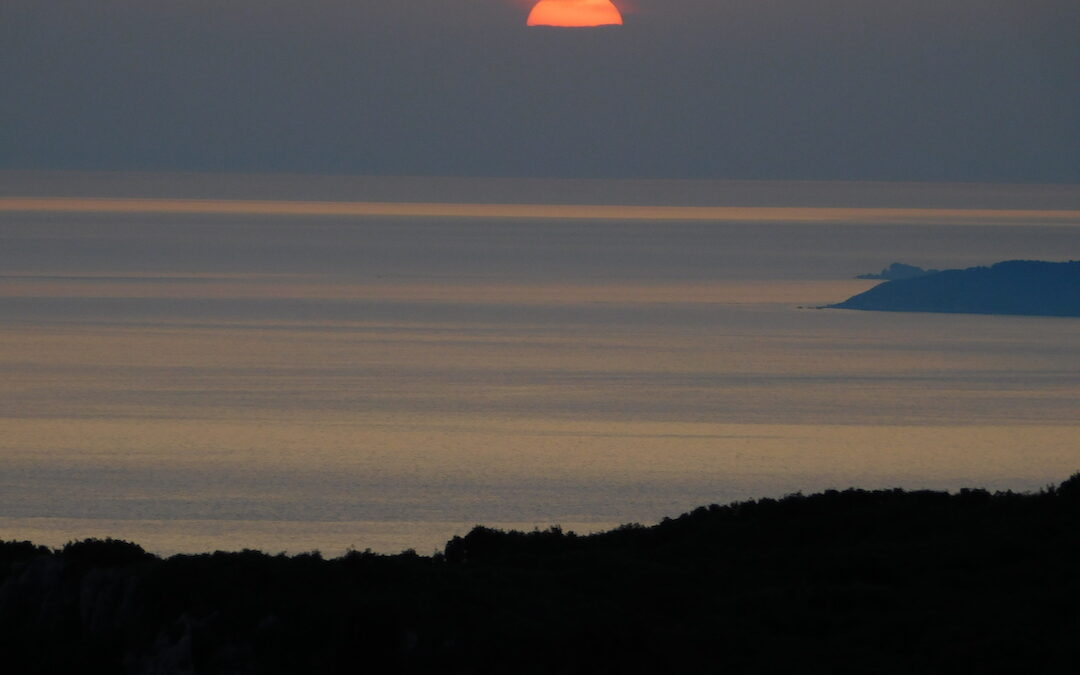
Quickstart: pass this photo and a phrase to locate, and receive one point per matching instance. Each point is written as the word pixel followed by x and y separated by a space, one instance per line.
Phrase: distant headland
pixel 1024 287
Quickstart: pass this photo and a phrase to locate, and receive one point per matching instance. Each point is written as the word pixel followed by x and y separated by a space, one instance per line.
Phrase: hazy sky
pixel 804 89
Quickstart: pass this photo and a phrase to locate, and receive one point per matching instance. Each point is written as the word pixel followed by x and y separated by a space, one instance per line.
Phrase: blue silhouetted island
pixel 1027 287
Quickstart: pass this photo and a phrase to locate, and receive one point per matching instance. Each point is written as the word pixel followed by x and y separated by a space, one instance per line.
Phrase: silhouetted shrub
pixel 1070 488
pixel 15 551
pixel 104 552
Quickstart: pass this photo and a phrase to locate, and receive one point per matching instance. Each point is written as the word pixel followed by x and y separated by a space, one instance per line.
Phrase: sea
pixel 297 363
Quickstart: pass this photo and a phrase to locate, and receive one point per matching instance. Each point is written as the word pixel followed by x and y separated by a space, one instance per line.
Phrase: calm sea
pixel 288 382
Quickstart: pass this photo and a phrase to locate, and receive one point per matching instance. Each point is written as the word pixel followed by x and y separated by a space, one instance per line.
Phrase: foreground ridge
pixel 854 580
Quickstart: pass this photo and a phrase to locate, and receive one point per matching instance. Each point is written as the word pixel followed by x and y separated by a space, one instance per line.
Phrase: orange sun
pixel 574 13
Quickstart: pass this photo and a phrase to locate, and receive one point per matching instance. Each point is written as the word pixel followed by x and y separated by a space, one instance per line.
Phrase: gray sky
pixel 971 90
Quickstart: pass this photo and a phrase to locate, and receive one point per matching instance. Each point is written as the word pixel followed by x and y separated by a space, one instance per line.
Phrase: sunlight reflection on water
pixel 201 384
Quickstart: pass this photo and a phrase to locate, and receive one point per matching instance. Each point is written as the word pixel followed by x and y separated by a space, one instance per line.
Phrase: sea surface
pixel 291 379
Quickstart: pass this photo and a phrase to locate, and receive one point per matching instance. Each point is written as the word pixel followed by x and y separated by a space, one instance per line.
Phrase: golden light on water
pixel 348 364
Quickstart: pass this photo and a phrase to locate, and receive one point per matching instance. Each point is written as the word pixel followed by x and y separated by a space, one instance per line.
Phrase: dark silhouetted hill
pixel 1013 287
pixel 852 581
pixel 898 271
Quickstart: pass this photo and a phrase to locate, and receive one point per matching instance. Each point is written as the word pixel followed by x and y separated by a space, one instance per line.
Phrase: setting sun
pixel 574 13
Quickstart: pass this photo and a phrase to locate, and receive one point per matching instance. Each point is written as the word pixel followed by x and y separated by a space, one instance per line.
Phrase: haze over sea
pixel 201 362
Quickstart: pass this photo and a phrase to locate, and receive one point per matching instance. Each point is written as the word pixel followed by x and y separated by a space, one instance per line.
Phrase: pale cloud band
pixel 858 215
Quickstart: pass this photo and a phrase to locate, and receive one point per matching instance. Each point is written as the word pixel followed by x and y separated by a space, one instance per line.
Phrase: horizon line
pixel 816 214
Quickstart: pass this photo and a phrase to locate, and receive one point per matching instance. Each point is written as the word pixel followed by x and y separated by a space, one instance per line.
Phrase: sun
pixel 574 13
